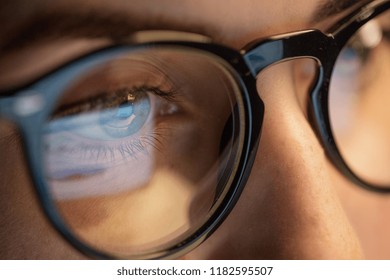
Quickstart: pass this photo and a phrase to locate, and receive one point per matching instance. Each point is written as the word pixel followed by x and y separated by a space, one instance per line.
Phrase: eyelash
pixel 102 98
pixel 129 148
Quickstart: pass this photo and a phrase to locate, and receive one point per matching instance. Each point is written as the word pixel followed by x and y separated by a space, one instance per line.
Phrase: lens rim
pixel 342 32
pixel 53 84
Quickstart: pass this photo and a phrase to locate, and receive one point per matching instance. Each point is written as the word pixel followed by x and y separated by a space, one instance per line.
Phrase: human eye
pixel 106 129
pixel 110 116
pixel 103 125
pixel 106 116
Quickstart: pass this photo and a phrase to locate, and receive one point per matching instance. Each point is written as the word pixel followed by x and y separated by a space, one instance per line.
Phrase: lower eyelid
pixel 107 78
pixel 74 159
pixel 75 143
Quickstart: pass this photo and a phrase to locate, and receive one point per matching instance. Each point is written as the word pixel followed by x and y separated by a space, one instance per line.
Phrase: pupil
pixel 126 118
pixel 125 110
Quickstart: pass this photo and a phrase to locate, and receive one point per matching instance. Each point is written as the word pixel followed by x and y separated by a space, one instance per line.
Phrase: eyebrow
pixel 331 8
pixel 85 24
pixel 117 25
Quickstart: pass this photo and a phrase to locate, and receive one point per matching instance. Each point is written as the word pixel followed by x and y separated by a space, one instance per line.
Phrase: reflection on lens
pixel 141 148
pixel 359 102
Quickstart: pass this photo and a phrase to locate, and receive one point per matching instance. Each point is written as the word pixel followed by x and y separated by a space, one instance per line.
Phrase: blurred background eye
pixel 359 98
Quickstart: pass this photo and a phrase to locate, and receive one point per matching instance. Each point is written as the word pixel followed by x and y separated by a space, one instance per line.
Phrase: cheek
pixel 25 231
pixel 133 219
pixel 17 193
pixel 192 149
pixel 368 215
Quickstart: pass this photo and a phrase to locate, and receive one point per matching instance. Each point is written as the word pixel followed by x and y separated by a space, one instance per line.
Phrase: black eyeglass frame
pixel 324 48
pixel 53 84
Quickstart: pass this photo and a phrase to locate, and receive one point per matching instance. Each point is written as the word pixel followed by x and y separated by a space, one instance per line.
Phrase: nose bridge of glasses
pixel 307 43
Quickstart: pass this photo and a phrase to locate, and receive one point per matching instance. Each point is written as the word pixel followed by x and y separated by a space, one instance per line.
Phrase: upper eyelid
pixel 166 88
pixel 94 100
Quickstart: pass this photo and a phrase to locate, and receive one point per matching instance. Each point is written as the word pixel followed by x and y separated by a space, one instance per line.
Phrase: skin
pixel 299 206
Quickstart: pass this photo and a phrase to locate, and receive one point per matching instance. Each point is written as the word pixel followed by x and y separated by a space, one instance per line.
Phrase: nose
pixel 289 208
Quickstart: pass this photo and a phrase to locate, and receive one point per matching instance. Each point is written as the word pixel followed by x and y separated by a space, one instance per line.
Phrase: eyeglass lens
pixel 138 151
pixel 359 102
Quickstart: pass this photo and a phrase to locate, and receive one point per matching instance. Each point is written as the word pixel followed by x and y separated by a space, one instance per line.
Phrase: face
pixel 295 205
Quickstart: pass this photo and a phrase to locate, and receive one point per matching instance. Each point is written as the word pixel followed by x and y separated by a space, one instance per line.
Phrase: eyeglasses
pixel 140 150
